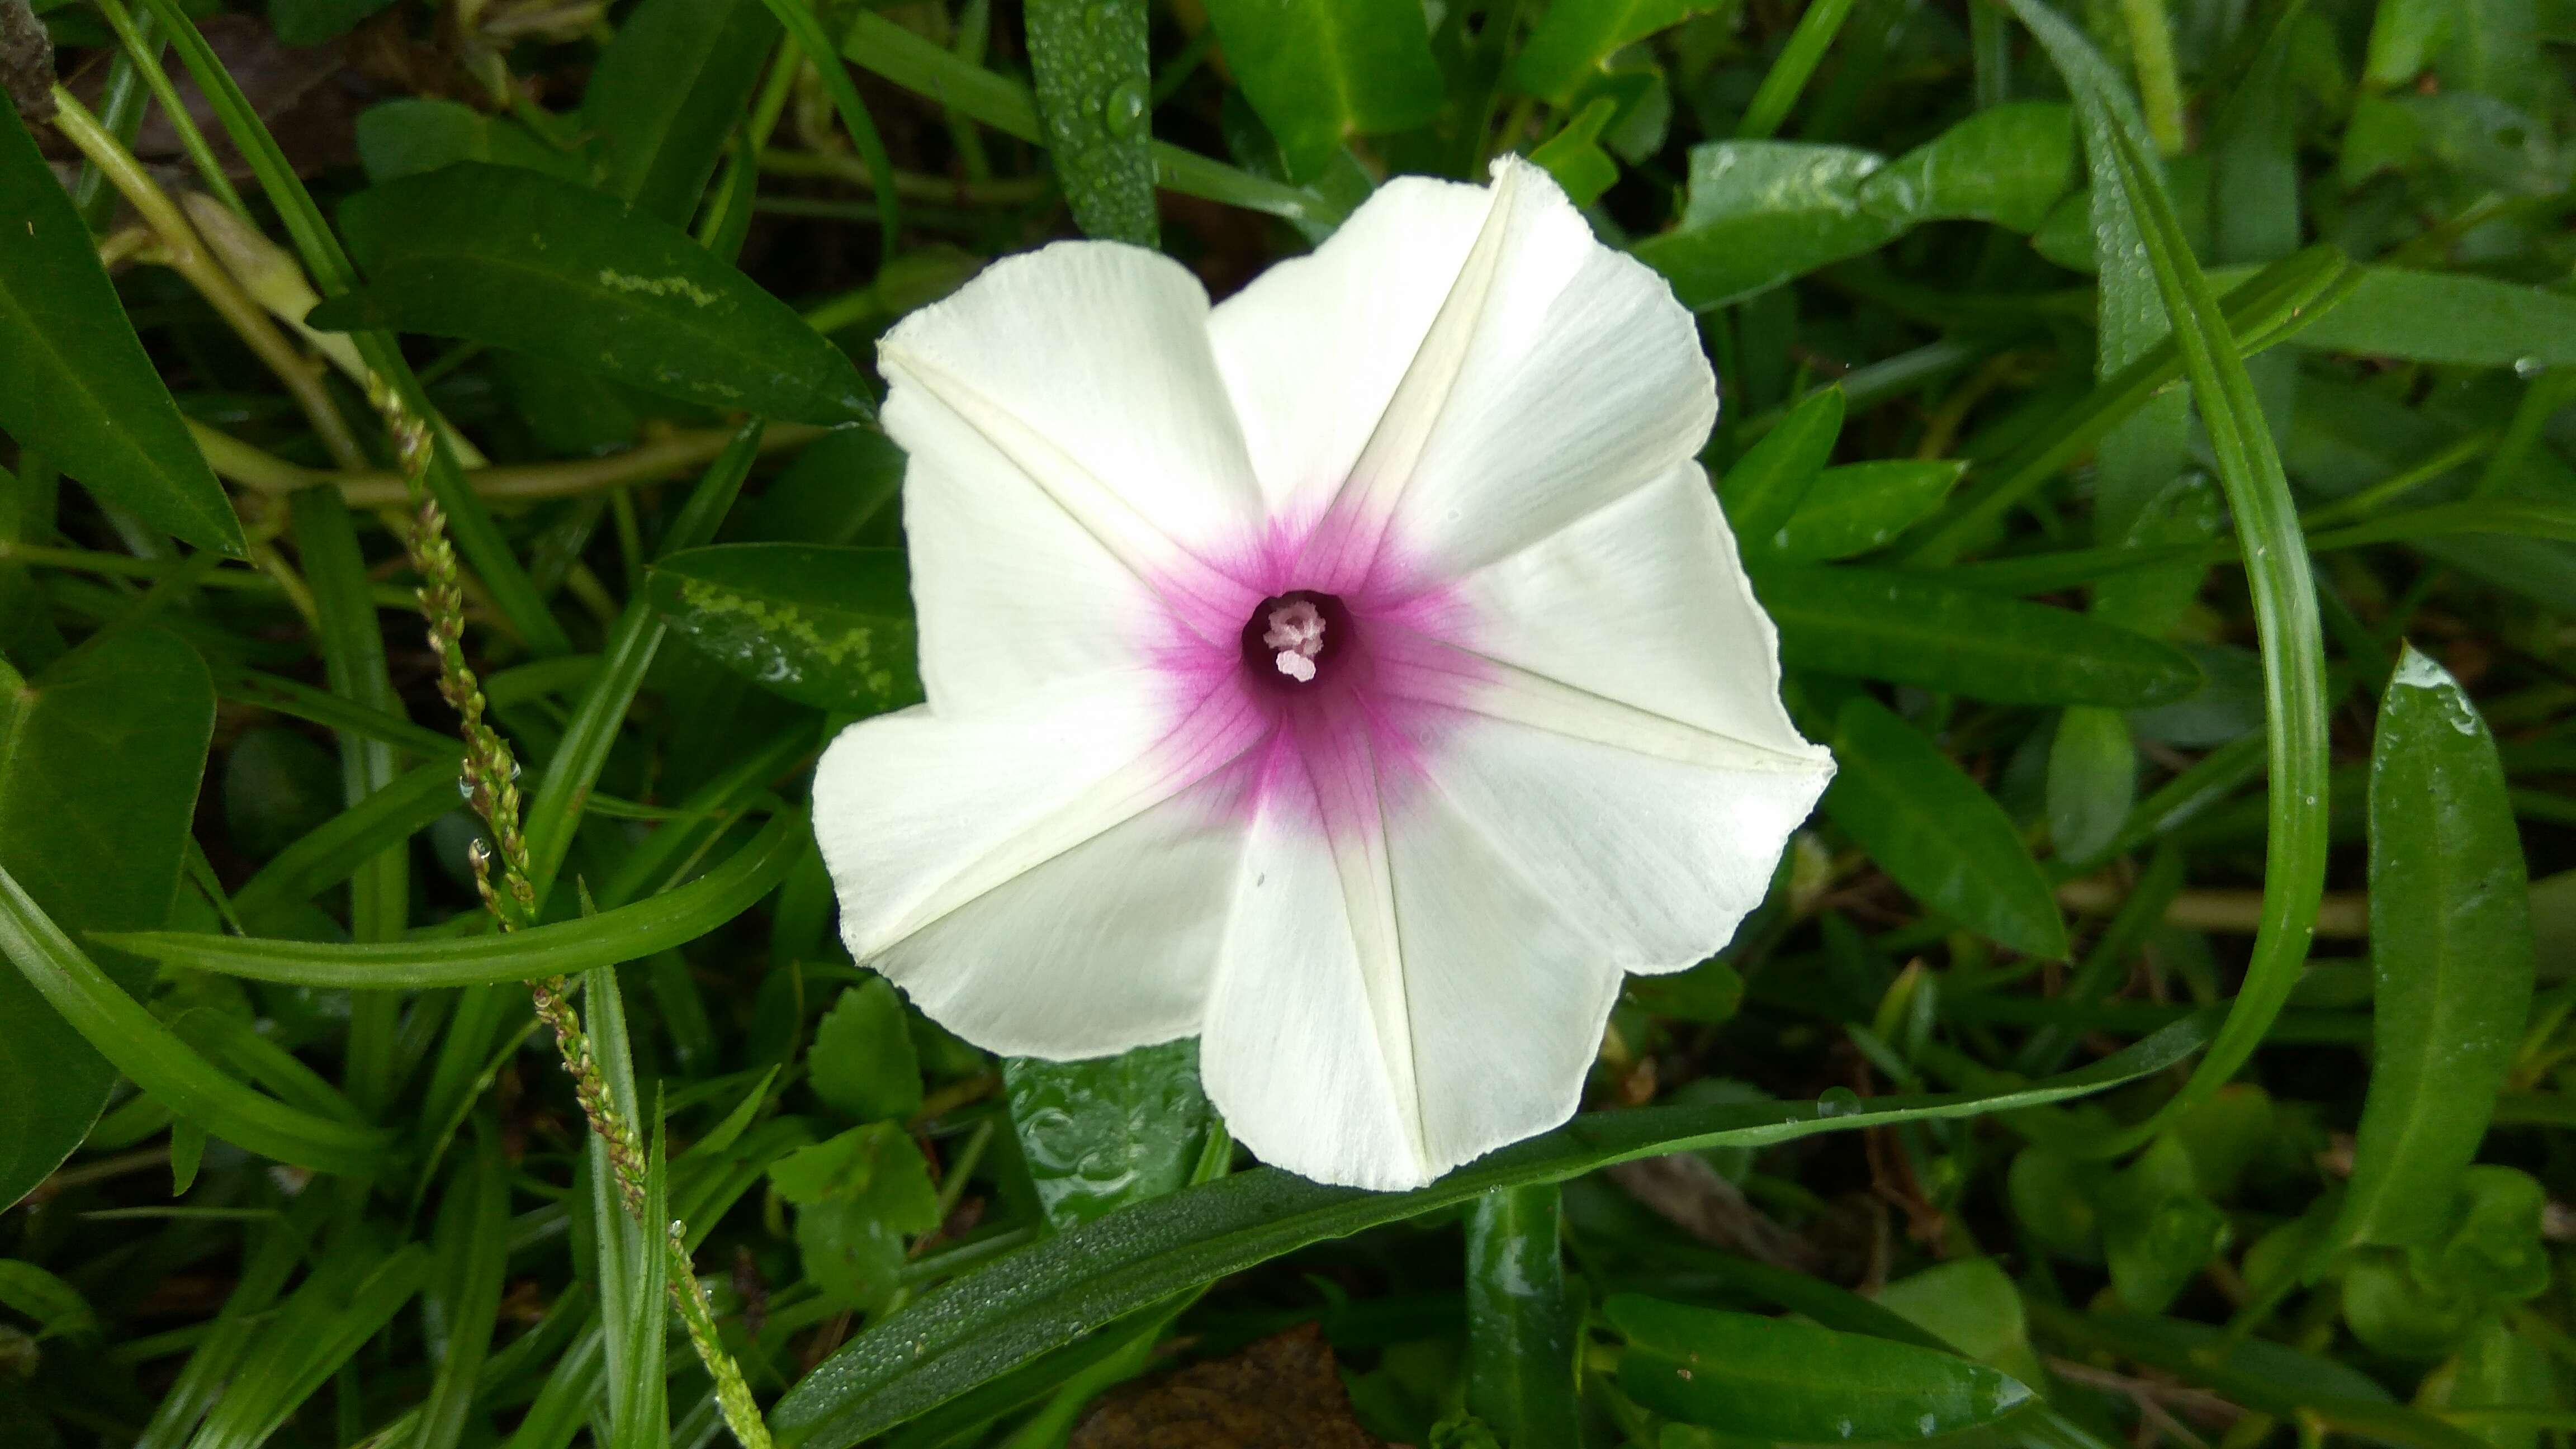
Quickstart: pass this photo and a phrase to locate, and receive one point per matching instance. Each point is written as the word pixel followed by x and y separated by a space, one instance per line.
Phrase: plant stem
pixel 2159 90
pixel 265 472
pixel 491 777
pixel 183 252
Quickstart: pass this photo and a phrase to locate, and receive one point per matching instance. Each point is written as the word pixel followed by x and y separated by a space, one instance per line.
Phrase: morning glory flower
pixel 1357 675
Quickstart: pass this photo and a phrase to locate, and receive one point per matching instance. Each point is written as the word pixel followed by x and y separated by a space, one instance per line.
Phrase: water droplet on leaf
pixel 1837 1102
pixel 1124 111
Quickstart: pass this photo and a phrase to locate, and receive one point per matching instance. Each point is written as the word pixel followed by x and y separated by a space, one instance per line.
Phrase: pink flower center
pixel 1294 639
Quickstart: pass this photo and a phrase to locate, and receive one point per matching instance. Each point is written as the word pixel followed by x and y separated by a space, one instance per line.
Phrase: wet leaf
pixel 1101 1134
pixel 1780 1379
pixel 829 627
pixel 1861 506
pixel 1093 86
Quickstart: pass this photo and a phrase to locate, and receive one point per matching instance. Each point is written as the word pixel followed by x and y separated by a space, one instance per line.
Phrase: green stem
pixel 2159 89
pixel 1790 73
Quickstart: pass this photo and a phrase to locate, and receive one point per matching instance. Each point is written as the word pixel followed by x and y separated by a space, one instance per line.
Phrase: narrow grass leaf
pixel 1782 1380
pixel 348 843
pixel 627 933
pixel 470 1245
pixel 1050 1294
pixel 1093 80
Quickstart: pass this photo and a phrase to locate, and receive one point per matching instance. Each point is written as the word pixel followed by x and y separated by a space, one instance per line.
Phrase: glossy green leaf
pixel 99 762
pixel 2284 594
pixel 2008 165
pixel 1093 80
pixel 1861 506
pixel 1049 1294
pixel 1911 628
pixel 1322 71
pixel 519 259
pixel 1765 488
pixel 1936 833
pixel 120 1029
pixel 829 627
pixel 1971 1305
pixel 74 381
pixel 627 933
pixel 1762 212
pixel 1102 1134
pixel 2449 317
pixel 665 94
pixel 1780 1379
pixel 863 1060
pixel 408 136
pixel 1574 37
pixel 2451 944
pixel 1520 1324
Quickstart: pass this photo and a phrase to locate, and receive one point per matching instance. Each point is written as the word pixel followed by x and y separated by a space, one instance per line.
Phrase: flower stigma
pixel 1292 639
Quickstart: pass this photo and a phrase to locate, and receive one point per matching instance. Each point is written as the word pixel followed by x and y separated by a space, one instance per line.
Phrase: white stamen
pixel 1296 630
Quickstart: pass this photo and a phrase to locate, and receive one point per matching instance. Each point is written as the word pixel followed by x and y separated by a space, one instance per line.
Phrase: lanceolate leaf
pixel 519 259
pixel 1910 628
pixel 1322 71
pixel 1936 833
pixel 1781 1380
pixel 2450 941
pixel 100 757
pixel 628 933
pixel 829 627
pixel 74 383
pixel 667 92
pixel 1050 1294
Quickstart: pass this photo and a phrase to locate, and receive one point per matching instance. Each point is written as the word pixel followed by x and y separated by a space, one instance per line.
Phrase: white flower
pixel 1357 675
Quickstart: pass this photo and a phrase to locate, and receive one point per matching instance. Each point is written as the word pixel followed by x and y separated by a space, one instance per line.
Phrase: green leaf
pixel 347 1298
pixel 1053 1292
pixel 2276 556
pixel 1911 628
pixel 518 259
pixel 125 1033
pixel 1971 1305
pixel 628 933
pixel 633 641
pixel 1520 1324
pixel 2448 317
pixel 1099 1135
pixel 1319 72
pixel 2451 945
pixel 666 93
pixel 1575 37
pixel 1765 488
pixel 57 1308
pixel 2158 1230
pixel 99 763
pixel 863 1060
pixel 75 384
pixel 1861 506
pixel 1936 833
pixel 2092 780
pixel 857 1195
pixel 347 842
pixel 1574 155
pixel 806 30
pixel 1762 212
pixel 1093 81
pixel 311 22
pixel 829 627
pixel 2008 165
pixel 413 134
pixel 1780 1379
pixel 470 1256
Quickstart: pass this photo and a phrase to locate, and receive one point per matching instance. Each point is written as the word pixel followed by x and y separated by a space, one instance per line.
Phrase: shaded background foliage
pixel 2148 422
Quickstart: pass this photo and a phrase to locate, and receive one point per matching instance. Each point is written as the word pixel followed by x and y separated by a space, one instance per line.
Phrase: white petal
pixel 1515 373
pixel 1074 461
pixel 1642 604
pixel 1048 881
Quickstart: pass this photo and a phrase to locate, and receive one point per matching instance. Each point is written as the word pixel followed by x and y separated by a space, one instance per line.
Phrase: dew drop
pixel 1837 1102
pixel 2529 367
pixel 1124 112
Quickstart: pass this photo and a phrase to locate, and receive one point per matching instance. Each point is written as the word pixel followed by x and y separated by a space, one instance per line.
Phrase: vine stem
pixel 501 877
